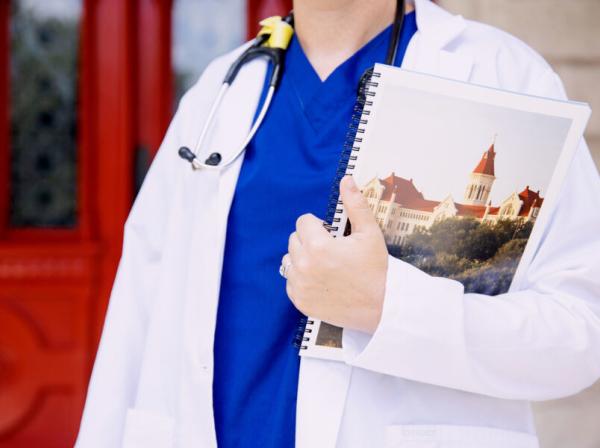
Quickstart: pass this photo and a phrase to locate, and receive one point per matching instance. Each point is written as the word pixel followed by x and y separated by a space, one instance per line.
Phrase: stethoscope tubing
pixel 275 56
pixel 196 164
pixel 207 125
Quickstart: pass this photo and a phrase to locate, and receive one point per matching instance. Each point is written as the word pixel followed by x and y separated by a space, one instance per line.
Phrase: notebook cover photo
pixel 461 179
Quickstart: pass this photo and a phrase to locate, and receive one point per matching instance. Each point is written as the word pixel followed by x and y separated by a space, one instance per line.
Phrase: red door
pixel 67 132
pixel 86 93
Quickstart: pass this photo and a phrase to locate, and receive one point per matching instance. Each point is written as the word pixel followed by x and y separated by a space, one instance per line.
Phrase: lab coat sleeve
pixel 112 388
pixel 539 342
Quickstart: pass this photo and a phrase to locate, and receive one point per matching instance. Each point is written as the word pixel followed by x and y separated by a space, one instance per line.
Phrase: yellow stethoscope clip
pixel 280 32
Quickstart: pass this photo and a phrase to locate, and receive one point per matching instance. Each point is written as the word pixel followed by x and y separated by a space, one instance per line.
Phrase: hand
pixel 339 280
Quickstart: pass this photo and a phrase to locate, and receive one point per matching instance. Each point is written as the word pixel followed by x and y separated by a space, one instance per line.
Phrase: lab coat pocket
pixel 146 429
pixel 454 436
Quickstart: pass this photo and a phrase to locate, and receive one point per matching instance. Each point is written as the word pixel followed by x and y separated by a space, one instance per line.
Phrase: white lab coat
pixel 443 369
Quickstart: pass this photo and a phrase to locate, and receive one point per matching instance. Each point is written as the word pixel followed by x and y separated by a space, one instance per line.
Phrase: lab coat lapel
pixel 322 389
pixel 427 51
pixel 323 385
pixel 231 127
pixel 212 193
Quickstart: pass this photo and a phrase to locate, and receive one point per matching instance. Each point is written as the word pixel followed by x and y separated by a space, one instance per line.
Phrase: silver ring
pixel 283 268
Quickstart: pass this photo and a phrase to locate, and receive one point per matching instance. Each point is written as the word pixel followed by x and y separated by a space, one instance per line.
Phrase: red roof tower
pixel 481 178
pixel 486 164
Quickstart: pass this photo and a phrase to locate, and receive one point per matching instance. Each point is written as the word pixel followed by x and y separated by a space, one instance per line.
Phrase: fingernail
pixel 351 184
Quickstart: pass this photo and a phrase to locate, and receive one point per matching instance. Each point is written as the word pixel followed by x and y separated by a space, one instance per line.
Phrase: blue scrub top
pixel 287 171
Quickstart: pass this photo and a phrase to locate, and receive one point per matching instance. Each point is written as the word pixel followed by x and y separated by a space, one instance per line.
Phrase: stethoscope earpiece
pixel 186 154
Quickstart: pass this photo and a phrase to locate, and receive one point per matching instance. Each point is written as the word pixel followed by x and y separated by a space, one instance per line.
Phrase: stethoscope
pixel 271 43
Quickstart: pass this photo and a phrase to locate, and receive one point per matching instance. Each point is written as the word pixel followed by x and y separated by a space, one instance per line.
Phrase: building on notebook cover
pixel 400 207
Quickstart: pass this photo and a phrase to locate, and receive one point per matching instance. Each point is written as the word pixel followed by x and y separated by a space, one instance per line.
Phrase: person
pixel 196 349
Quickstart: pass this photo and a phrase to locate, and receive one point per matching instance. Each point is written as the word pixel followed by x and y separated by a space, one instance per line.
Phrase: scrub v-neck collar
pixel 320 98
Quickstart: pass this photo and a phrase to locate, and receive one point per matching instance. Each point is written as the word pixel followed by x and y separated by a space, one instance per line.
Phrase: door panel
pixel 47 259
pixel 43 96
pixel 43 363
pixel 64 207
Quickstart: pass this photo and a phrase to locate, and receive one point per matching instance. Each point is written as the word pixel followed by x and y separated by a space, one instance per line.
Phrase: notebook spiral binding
pixel 352 144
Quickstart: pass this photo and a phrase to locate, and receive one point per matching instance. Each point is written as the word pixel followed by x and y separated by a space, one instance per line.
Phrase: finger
pixel 310 229
pixel 359 213
pixel 295 248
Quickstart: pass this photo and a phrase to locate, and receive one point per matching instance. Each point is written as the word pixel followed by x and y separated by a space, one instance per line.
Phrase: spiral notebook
pixel 461 179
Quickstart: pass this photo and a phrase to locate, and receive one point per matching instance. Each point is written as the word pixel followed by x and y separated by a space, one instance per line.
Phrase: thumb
pixel 358 210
